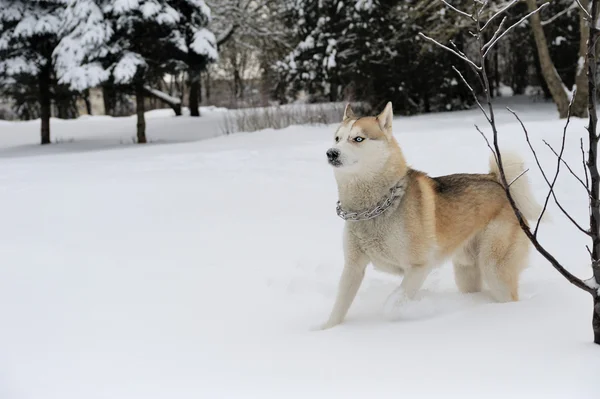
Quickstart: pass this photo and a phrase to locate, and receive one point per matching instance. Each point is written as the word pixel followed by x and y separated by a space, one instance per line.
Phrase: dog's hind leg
pixel 467 273
pixel 502 255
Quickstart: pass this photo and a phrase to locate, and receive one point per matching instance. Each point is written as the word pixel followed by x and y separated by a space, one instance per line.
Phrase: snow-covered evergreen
pixel 132 43
pixel 369 50
pixel 29 33
pixel 196 45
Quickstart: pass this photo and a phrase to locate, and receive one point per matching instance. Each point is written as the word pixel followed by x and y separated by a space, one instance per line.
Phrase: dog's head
pixel 362 145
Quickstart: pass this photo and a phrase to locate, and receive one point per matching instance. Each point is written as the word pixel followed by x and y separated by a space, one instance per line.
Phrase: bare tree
pixel 592 182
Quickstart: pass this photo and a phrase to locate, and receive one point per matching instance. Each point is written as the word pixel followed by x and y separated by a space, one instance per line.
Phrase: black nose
pixel 333 154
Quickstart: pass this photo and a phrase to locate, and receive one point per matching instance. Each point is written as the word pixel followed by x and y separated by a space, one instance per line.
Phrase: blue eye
pixel 359 139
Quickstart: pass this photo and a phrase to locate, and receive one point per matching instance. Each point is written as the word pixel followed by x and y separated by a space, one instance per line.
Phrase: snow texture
pixel 163 95
pixel 127 67
pixel 95 29
pixel 197 270
pixel 205 44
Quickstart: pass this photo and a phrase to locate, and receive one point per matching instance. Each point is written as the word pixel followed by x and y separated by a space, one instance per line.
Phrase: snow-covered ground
pixel 198 269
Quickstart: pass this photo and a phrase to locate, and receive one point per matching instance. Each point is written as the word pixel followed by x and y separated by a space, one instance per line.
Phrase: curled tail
pixel 520 188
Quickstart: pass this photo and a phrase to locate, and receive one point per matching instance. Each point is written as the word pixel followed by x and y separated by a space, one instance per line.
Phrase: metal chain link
pixel 395 192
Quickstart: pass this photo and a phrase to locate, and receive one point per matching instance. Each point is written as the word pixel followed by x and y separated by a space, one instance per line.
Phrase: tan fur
pixel 463 217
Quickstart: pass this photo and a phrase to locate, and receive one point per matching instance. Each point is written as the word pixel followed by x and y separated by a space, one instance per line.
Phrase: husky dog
pixel 405 222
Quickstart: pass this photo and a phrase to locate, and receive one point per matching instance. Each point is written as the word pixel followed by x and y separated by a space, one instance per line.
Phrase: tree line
pixel 54 51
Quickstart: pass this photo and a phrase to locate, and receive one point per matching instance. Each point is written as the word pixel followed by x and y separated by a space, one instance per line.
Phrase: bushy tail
pixel 520 189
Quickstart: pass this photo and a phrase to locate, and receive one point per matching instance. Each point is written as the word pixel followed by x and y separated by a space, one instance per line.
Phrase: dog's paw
pixel 394 305
pixel 324 326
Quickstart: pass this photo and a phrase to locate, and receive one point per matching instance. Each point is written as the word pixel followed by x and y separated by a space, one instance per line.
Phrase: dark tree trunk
pixel 194 93
pixel 207 85
pixel 139 108
pixel 88 103
pixel 237 82
pixel 45 101
pixel 596 320
pixel 592 162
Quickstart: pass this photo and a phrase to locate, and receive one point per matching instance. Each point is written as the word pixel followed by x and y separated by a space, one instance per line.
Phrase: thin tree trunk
pixel 592 163
pixel 207 85
pixel 88 103
pixel 580 103
pixel 194 93
pixel 139 108
pixel 553 80
pixel 45 102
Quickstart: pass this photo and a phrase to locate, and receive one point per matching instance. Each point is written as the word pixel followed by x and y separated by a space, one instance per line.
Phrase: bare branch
pixel 450 6
pixel 517 178
pixel 472 92
pixel 495 34
pixel 499 12
pixel 587 180
pixel 587 13
pixel 457 49
pixel 450 50
pixel 483 5
pixel 225 36
pixel 488 143
pixel 514 26
pixel 550 185
pixel 560 14
pixel 568 167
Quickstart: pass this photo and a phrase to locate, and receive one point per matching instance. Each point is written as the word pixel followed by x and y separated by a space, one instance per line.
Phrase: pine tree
pixel 371 48
pixel 196 45
pixel 129 43
pixel 29 33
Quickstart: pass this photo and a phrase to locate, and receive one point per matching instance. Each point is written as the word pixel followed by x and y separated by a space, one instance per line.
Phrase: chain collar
pixel 395 193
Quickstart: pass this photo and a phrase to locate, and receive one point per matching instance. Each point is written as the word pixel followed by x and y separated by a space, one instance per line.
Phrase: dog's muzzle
pixel 333 157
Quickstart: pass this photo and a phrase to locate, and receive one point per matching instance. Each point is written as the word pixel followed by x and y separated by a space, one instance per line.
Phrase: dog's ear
pixel 348 114
pixel 385 118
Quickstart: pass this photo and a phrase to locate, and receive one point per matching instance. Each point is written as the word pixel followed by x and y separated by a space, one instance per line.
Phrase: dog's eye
pixel 337 139
pixel 359 139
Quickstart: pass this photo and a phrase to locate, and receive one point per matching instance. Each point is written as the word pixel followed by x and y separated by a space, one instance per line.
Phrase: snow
pixel 505 91
pixel 125 70
pixel 163 95
pixel 198 269
pixel 124 6
pixel 32 25
pixel 204 43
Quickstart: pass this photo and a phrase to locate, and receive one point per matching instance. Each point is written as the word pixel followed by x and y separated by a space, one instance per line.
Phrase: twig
pixel 457 49
pixel 499 12
pixel 517 178
pixel 450 6
pixel 488 143
pixel 587 13
pixel 560 14
pixel 483 5
pixel 587 181
pixel 472 92
pixel 568 167
pixel 514 26
pixel 474 65
pixel 551 187
pixel 495 34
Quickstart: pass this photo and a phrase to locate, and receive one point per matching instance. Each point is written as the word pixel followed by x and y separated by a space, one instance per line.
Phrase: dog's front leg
pixel 352 276
pixel 412 282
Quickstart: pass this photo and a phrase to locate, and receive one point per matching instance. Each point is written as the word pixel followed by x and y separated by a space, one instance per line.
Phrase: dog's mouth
pixel 335 162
